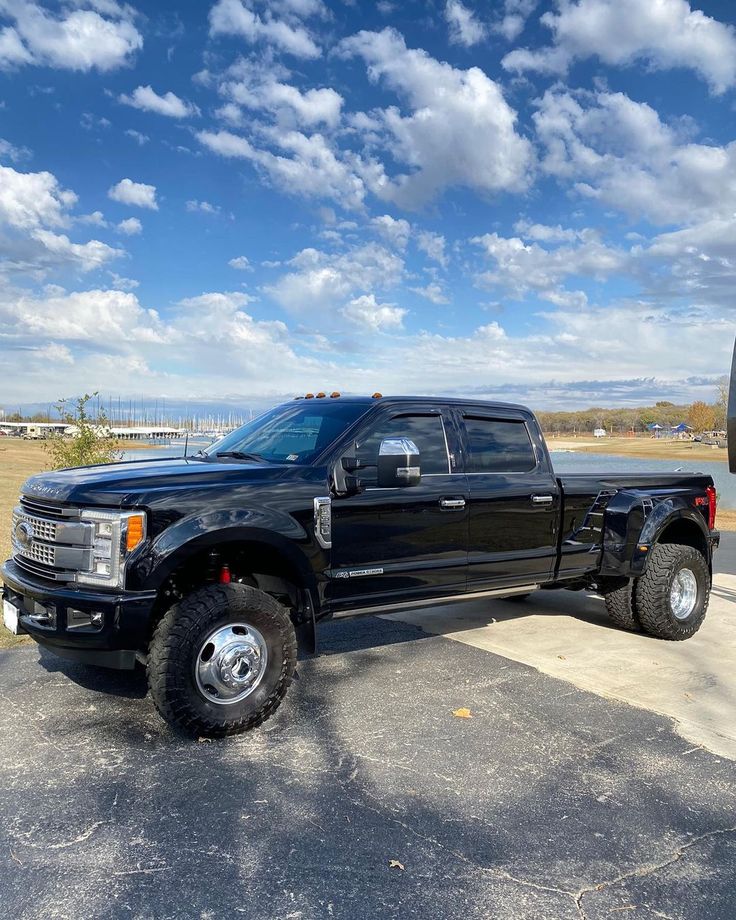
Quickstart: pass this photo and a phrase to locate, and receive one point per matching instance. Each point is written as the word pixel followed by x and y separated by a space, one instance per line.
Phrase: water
pixel 563 461
pixel 578 462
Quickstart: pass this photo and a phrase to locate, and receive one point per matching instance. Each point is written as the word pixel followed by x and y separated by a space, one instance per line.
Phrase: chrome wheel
pixel 683 594
pixel 231 663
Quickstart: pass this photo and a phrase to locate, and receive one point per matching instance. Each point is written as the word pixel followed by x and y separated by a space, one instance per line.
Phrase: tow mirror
pixel 398 463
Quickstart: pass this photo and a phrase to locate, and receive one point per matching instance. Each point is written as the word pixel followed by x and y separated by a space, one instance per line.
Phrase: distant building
pixel 599 432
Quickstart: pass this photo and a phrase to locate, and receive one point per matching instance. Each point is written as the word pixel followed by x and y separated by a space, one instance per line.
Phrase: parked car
pixel 208 569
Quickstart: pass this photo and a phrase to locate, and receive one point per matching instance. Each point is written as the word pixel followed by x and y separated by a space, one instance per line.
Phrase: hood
pixel 115 484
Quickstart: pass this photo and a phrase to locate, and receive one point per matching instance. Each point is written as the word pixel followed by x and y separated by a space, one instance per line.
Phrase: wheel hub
pixel 231 663
pixel 683 594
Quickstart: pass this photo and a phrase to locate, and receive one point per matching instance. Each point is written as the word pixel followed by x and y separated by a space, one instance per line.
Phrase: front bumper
pixel 51 614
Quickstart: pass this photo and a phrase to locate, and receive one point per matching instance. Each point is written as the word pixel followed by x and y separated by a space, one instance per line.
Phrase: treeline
pixel 700 416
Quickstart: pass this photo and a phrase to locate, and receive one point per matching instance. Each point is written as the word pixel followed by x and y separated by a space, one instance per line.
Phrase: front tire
pixel 672 594
pixel 221 660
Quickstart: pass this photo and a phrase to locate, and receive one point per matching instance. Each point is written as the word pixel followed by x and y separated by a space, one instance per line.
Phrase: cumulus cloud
pixel 131 226
pixel 148 100
pixel 619 151
pixel 257 86
pixel 432 292
pixel 241 263
pixel 433 245
pixel 515 15
pixel 465 28
pixel 365 311
pixel 395 230
pixel 137 194
pixel 460 130
pixel 203 207
pixel 30 200
pixel 83 36
pixel 662 35
pixel 319 280
pixel 307 167
pixel 233 17
pixel 519 267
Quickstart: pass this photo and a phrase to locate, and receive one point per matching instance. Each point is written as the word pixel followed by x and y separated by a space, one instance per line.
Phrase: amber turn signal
pixel 136 531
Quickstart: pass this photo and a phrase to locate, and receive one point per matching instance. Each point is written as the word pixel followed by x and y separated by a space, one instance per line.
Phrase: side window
pixel 498 446
pixel 425 431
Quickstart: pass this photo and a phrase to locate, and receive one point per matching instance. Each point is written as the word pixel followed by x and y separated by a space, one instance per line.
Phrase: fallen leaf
pixel 395 864
pixel 562 658
pixel 204 740
pixel 462 713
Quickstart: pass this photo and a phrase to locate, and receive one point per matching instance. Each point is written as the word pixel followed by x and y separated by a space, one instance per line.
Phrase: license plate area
pixel 11 615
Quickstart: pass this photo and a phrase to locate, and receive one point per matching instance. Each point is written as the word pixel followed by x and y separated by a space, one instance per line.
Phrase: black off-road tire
pixel 653 591
pixel 178 638
pixel 621 607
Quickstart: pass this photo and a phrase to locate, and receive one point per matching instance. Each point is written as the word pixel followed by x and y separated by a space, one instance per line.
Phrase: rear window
pixel 498 446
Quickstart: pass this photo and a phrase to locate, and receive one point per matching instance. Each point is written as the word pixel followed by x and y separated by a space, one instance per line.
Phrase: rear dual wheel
pixel 670 600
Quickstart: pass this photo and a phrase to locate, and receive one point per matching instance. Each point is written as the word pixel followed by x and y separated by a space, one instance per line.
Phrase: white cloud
pixel 319 280
pixel 86 256
pixel 465 29
pixel 12 152
pixel 137 194
pixel 204 207
pixel 519 267
pixel 233 17
pixel 395 230
pixel 460 131
pixel 660 33
pixel 75 39
pixel 516 13
pixel 138 137
pixel 379 317
pixel 433 244
pixel 432 292
pixel 619 151
pixel 311 107
pixel 148 100
pixel 310 168
pixel 131 226
pixel 241 263
pixel 29 200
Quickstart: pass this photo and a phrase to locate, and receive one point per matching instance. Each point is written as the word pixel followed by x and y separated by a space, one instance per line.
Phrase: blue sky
pixel 237 201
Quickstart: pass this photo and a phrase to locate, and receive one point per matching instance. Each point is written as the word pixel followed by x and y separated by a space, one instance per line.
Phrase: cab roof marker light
pixel 334 395
pixel 377 396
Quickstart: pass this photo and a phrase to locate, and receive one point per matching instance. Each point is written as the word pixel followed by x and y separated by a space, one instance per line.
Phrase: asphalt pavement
pixel 365 796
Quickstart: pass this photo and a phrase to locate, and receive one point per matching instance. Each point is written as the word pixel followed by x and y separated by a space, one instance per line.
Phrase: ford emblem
pixel 24 533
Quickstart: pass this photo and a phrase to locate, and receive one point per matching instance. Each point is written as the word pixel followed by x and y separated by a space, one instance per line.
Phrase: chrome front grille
pixel 42 528
pixel 51 540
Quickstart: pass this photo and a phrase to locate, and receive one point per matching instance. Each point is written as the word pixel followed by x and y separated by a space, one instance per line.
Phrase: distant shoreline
pixel 651 448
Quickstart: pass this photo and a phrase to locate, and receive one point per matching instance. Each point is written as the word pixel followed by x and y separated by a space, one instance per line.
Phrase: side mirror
pixel 398 463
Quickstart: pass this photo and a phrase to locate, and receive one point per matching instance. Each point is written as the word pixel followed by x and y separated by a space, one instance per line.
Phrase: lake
pixel 564 461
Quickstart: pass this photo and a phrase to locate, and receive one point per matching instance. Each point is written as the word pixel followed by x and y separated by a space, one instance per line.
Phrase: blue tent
pixel 682 427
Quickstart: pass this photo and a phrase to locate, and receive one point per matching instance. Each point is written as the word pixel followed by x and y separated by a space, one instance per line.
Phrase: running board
pixel 434 601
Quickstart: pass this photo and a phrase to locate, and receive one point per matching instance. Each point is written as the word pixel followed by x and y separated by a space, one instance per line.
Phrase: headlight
pixel 115 535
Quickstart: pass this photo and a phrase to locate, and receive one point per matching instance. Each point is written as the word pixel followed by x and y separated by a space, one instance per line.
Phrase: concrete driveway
pixel 550 801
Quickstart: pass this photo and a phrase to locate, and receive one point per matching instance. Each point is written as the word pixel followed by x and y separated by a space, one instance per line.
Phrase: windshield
pixel 291 433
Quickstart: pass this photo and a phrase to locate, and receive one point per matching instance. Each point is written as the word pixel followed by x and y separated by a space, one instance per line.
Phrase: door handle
pixel 542 499
pixel 452 504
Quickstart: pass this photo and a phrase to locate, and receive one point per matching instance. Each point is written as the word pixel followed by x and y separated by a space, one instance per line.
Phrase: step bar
pixel 433 601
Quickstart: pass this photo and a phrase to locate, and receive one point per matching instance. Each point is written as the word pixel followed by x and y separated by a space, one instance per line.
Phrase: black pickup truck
pixel 211 569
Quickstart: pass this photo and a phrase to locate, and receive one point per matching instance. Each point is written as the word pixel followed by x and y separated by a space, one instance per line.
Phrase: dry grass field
pixel 651 448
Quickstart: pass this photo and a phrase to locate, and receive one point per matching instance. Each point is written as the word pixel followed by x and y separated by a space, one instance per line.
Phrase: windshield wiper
pixel 238 454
